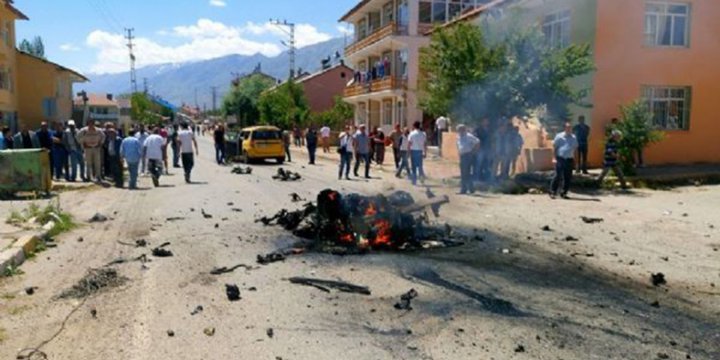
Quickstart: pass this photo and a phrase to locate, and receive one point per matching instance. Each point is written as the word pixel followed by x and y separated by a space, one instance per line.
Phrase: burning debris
pixel 286 175
pixel 95 281
pixel 354 223
pixel 241 170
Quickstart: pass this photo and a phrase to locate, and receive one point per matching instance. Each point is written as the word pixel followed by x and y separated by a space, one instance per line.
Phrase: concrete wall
pixel 8 99
pixel 625 64
pixel 322 89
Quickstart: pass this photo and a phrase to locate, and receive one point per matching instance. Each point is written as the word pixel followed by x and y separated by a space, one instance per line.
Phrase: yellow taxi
pixel 261 143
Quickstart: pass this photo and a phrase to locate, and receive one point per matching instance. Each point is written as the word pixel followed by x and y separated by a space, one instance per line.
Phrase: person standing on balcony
pixel 418 151
pixel 387 65
pixel 325 138
pixel 582 133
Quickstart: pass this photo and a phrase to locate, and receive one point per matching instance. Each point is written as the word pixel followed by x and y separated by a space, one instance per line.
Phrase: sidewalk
pixel 436 168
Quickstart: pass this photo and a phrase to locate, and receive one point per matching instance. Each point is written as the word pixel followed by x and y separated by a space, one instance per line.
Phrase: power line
pixel 284 25
pixel 113 25
pixel 133 76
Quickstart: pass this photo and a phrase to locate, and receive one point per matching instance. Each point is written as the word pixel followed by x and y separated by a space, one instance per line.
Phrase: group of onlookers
pixel 94 154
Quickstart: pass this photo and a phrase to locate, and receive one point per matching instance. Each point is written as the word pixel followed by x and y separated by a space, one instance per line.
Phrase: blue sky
pixel 86 35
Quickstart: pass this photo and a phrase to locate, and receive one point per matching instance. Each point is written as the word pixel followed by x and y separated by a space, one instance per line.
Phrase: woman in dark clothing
pixel 379 145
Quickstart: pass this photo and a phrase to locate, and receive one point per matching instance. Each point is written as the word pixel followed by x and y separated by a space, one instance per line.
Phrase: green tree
pixel 458 56
pixel 242 100
pixel 521 75
pixel 144 110
pixel 637 131
pixel 336 117
pixel 284 106
pixel 35 48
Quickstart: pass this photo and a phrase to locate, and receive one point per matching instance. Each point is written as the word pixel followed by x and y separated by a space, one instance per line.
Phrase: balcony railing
pixel 387 83
pixel 377 35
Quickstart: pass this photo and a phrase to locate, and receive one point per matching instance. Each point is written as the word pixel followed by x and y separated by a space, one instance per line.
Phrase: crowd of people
pixel 95 153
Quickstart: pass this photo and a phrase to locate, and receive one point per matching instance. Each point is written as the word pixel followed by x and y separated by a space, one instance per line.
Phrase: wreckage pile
pixel 286 175
pixel 96 280
pixel 347 224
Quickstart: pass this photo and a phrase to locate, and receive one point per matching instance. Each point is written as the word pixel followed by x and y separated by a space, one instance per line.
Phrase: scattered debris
pixel 326 285
pixel 655 304
pixel 209 331
pixel 170 333
pixel 406 299
pixel 270 258
pixel 658 279
pixel 197 310
pixel 296 198
pixel 239 170
pixel 546 228
pixel 520 349
pixel 236 210
pixel 225 269
pixel 98 218
pixel 160 251
pixel 96 280
pixel 93 313
pixel 506 251
pixel 80 239
pixel 663 356
pixel 205 215
pixel 31 290
pixel 285 175
pixel 177 218
pixel 142 258
pixel 232 291
pixel 589 220
pixel 270 333
pixel 576 254
pixel 571 238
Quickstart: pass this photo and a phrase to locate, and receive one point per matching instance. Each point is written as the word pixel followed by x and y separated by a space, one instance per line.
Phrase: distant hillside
pixel 177 82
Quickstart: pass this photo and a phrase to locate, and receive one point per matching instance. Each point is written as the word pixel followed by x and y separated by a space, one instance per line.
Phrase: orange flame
pixel 384 235
pixel 347 238
pixel 371 210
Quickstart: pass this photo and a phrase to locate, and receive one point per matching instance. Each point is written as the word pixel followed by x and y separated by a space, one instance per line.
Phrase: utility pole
pixel 284 26
pixel 133 76
pixel 214 97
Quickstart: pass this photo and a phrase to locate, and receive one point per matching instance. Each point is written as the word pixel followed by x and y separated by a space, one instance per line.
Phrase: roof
pixel 97 100
pixel 473 13
pixel 306 78
pixel 81 77
pixel 14 10
pixel 355 9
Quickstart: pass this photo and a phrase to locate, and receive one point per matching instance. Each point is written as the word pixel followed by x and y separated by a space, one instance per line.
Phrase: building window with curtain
pixel 669 105
pixel 556 28
pixel 667 24
pixel 387 113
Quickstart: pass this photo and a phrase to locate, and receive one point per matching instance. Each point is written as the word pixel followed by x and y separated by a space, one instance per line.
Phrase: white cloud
pixel 218 3
pixel 345 30
pixel 204 40
pixel 69 47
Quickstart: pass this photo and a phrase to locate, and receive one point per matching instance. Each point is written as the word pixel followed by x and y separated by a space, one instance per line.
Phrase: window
pixel 361 113
pixel 670 106
pixel 403 14
pixel 556 27
pixel 402 64
pixel 49 107
pixel 425 12
pixel 455 8
pixel 387 113
pixel 667 24
pixel 439 11
pixel 388 13
pixel 361 29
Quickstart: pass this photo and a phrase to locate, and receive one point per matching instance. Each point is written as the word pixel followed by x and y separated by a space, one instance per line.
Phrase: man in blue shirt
pixel 582 133
pixel 611 158
pixel 131 151
pixel 361 143
pixel 565 145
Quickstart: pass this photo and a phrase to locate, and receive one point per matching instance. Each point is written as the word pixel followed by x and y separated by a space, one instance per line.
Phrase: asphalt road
pixel 500 298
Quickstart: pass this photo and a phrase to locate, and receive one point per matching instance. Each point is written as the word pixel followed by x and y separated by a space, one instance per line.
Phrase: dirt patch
pixel 95 281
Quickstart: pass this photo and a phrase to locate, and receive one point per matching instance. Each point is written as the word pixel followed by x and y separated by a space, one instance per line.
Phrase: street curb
pixel 19 251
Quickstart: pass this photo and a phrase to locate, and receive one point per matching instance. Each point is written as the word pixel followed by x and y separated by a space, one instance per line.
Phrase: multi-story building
pixel 385 53
pixel 8 64
pixel 101 108
pixel 664 52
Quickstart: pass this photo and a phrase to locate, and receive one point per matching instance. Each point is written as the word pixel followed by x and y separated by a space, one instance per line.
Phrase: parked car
pixel 262 143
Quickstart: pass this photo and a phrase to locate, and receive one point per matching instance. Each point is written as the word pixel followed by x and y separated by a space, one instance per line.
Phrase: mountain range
pixel 185 82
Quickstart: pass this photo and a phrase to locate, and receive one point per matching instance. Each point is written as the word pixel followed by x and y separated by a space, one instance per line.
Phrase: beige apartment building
pixel 385 53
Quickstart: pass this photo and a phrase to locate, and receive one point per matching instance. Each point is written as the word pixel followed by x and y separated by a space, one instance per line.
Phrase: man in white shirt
pixel 153 150
pixel 345 150
pixel 468 146
pixel 418 150
pixel 325 138
pixel 186 140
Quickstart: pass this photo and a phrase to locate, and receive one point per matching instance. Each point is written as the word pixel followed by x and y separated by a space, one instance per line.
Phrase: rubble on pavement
pixel 286 175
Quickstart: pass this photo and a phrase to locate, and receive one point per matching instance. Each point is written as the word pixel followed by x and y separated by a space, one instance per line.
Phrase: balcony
pixel 377 35
pixel 378 85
